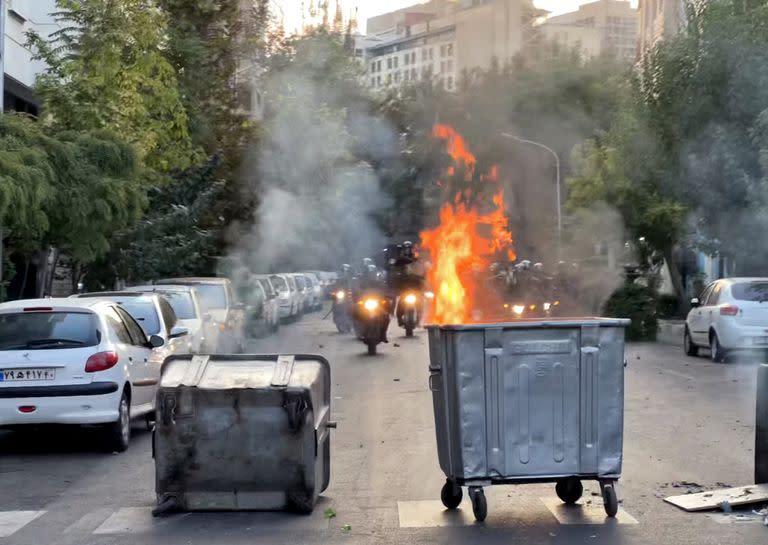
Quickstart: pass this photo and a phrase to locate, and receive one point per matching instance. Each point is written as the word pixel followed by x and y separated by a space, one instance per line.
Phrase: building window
pixel 406 76
pixel 414 74
pixel 389 79
pixel 378 81
pixel 442 67
pixel 373 66
pixel 397 77
pixel 413 57
pixel 373 82
pixel 442 51
pixel 450 66
pixel 395 62
pixel 378 66
pixel 425 72
pixel 450 83
pixel 406 59
pixel 424 54
pixel 389 63
pixel 431 53
pixel 449 49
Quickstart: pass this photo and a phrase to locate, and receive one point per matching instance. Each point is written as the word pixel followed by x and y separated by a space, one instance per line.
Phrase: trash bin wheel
pixel 569 490
pixel 451 494
pixel 479 505
pixel 610 500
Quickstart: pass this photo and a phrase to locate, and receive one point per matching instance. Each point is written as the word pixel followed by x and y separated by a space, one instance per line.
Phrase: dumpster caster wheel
pixel 610 500
pixel 479 505
pixel 569 490
pixel 451 495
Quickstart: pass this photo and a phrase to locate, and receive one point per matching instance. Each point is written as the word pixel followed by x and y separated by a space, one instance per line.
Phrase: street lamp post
pixel 558 206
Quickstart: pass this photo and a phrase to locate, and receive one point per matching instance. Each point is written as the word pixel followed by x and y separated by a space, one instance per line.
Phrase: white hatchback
pixel 76 361
pixel 730 315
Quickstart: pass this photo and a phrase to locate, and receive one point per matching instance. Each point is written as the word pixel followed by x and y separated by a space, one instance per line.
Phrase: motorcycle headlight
pixel 371 304
pixel 410 299
pixel 518 309
pixel 340 295
pixel 547 306
pixel 429 295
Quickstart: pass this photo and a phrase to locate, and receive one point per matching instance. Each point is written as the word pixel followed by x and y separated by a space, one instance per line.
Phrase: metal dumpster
pixel 242 432
pixel 529 401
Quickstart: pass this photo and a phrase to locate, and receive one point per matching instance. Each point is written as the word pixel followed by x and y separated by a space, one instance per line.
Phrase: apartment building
pixel 442 39
pixel 22 16
pixel 659 19
pixel 597 28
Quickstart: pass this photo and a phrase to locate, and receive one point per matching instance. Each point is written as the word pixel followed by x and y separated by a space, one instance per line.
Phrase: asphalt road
pixel 686 420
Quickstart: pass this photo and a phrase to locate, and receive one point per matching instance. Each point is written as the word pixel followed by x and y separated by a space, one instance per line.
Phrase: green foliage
pixel 107 69
pixel 172 238
pixel 71 190
pixel 638 303
pixel 668 307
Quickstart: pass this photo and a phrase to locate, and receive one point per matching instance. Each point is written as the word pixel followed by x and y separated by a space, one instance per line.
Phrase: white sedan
pixel 76 361
pixel 731 315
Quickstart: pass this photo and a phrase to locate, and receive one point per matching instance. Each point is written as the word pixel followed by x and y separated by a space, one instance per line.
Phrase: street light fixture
pixel 558 206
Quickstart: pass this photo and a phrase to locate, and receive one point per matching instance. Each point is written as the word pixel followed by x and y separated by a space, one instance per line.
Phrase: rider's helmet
pixel 345 268
pixel 408 248
pixel 494 268
pixel 525 265
pixel 366 262
pixel 538 267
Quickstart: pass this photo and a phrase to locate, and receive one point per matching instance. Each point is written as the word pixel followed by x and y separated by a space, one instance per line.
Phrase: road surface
pixel 686 420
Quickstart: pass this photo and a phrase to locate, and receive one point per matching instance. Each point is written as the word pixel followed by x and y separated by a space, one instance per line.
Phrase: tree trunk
pixel 24 280
pixel 677 280
pixel 52 273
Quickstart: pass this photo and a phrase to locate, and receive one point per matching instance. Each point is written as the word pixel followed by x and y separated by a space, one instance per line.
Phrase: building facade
pixel 604 27
pixel 20 68
pixel 443 39
pixel 659 19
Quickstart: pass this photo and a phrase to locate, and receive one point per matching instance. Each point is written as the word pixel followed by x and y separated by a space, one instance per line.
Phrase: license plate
pixel 23 375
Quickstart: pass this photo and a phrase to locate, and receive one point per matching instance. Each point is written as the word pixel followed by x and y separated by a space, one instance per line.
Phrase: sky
pixel 369 8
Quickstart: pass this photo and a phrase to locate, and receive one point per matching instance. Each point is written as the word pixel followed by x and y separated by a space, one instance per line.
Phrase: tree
pixel 107 69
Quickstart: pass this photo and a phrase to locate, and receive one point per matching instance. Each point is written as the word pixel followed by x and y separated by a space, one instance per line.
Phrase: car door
pixel 145 385
pixel 127 352
pixel 710 311
pixel 696 324
pixel 168 321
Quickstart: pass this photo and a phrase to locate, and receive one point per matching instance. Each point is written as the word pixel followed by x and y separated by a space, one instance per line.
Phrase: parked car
pixel 288 295
pixel 225 315
pixel 272 302
pixel 250 292
pixel 316 285
pixel 153 313
pixel 305 292
pixel 189 311
pixel 730 315
pixel 76 361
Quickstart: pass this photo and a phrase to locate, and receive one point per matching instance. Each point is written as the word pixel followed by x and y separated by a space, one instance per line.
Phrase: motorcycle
pixel 341 311
pixel 409 310
pixel 371 319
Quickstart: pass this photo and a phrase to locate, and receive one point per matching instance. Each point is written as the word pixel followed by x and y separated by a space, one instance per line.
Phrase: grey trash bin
pixel 529 401
pixel 242 432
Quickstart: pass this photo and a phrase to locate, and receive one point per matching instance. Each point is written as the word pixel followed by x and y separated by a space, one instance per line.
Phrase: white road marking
pixel 127 520
pixel 13 521
pixel 433 514
pixel 585 513
pixel 89 522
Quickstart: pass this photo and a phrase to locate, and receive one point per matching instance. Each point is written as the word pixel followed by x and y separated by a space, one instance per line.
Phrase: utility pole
pixel 2 109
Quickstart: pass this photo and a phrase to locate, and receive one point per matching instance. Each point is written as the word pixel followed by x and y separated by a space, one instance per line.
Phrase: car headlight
pixel 371 304
pixel 410 299
pixel 429 295
pixel 340 295
pixel 518 309
pixel 547 306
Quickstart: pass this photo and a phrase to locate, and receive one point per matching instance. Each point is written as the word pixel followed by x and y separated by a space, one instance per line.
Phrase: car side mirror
pixel 695 303
pixel 178 331
pixel 156 341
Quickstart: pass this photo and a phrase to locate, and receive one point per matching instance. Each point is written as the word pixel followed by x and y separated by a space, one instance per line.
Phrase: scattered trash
pixel 346 528
pixel 330 513
pixel 396 345
pixel 725 506
pixel 320 346
pixel 595 493
pixel 395 380
pixel 552 534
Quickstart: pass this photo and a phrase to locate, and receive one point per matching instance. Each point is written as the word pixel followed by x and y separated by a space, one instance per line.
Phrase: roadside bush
pixel 668 306
pixel 639 304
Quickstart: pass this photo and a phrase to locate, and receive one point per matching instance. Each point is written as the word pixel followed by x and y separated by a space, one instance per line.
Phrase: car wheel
pixel 690 348
pixel 717 352
pixel 118 433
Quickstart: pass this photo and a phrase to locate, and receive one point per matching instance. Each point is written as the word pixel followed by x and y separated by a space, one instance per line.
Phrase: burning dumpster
pixel 242 432
pixel 528 402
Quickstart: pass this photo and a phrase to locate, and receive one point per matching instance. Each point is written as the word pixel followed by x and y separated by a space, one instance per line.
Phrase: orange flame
pixel 465 242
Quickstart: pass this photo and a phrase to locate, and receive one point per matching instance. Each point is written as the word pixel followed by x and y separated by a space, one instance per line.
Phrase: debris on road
pixel 723 498
pixel 396 345
pixel 346 528
pixel 725 506
pixel 330 513
pixel 395 380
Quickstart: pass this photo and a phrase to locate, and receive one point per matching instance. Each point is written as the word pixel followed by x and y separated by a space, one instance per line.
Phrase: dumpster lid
pixel 533 323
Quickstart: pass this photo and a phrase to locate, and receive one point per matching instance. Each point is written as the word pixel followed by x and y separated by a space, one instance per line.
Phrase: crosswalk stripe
pixel 127 520
pixel 89 522
pixel 13 521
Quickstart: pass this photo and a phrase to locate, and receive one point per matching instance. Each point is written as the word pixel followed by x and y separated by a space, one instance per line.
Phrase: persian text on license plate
pixel 21 375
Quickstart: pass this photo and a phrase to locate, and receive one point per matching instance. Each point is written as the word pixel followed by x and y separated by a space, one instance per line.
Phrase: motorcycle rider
pixel 402 276
pixel 371 281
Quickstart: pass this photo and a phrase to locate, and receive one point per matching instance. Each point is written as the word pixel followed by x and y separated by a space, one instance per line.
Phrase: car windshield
pixel 181 302
pixel 46 330
pixel 213 296
pixel 279 283
pixel 144 312
pixel 750 291
pixel 267 288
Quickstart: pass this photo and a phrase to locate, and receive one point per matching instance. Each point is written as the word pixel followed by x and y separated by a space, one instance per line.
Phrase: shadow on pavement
pixel 47 440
